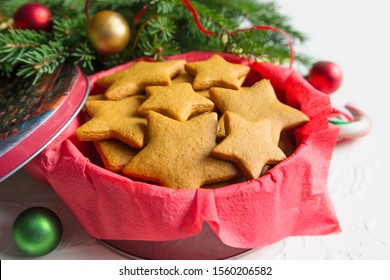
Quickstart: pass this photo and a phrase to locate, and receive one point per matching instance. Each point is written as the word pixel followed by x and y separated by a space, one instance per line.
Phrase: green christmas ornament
pixel 37 231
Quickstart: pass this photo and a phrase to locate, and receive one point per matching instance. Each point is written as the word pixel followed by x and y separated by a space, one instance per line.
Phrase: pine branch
pixel 266 13
pixel 41 60
pixel 162 7
pixel 15 43
pixel 84 56
pixel 157 48
pixel 162 27
pixel 6 69
pixel 215 18
pixel 168 27
pixel 10 6
pixel 70 29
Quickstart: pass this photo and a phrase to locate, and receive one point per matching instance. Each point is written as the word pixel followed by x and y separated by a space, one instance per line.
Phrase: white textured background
pixel 355 35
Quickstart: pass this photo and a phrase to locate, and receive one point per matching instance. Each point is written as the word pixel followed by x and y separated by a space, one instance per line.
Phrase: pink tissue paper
pixel 290 200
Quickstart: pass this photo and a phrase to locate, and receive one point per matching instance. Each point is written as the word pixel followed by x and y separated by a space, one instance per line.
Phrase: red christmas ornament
pixel 33 16
pixel 325 76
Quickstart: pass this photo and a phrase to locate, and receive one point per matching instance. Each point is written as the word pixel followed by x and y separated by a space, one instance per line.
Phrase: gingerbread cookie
pixel 249 144
pixel 114 154
pixel 178 153
pixel 96 97
pixel 133 80
pixel 217 72
pixel 178 101
pixel 176 144
pixel 256 103
pixel 115 120
pixel 184 77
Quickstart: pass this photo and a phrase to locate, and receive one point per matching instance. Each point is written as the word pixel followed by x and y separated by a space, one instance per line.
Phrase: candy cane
pixel 357 126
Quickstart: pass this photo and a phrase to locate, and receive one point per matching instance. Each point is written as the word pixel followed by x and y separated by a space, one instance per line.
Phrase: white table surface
pixel 354 35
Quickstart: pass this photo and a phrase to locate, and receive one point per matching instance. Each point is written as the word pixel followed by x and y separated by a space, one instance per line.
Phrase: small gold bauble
pixel 3 19
pixel 3 15
pixel 108 32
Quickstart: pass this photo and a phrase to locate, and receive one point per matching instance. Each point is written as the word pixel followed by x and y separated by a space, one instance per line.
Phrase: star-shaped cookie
pixel 256 103
pixel 134 79
pixel 184 77
pixel 249 144
pixel 178 101
pixel 114 154
pixel 178 153
pixel 115 120
pixel 217 72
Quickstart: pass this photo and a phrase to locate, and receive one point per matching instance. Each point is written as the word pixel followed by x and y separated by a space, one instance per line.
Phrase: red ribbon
pixel 272 28
pixel 256 27
pixel 196 17
pixel 86 5
pixel 140 15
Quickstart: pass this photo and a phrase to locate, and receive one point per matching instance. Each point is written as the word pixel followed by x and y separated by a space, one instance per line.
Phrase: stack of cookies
pixel 185 125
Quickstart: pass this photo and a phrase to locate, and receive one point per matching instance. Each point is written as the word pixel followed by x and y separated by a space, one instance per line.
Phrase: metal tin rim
pixel 134 257
pixel 57 133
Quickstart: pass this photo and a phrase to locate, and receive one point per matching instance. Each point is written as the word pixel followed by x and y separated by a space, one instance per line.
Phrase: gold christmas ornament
pixel 4 21
pixel 108 32
pixel 3 15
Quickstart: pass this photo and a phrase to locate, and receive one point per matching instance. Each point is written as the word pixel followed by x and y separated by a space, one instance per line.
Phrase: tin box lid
pixel 32 116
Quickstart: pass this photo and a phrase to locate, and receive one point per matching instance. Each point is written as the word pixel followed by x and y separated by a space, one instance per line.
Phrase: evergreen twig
pixel 14 44
pixel 167 28
pixel 41 60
